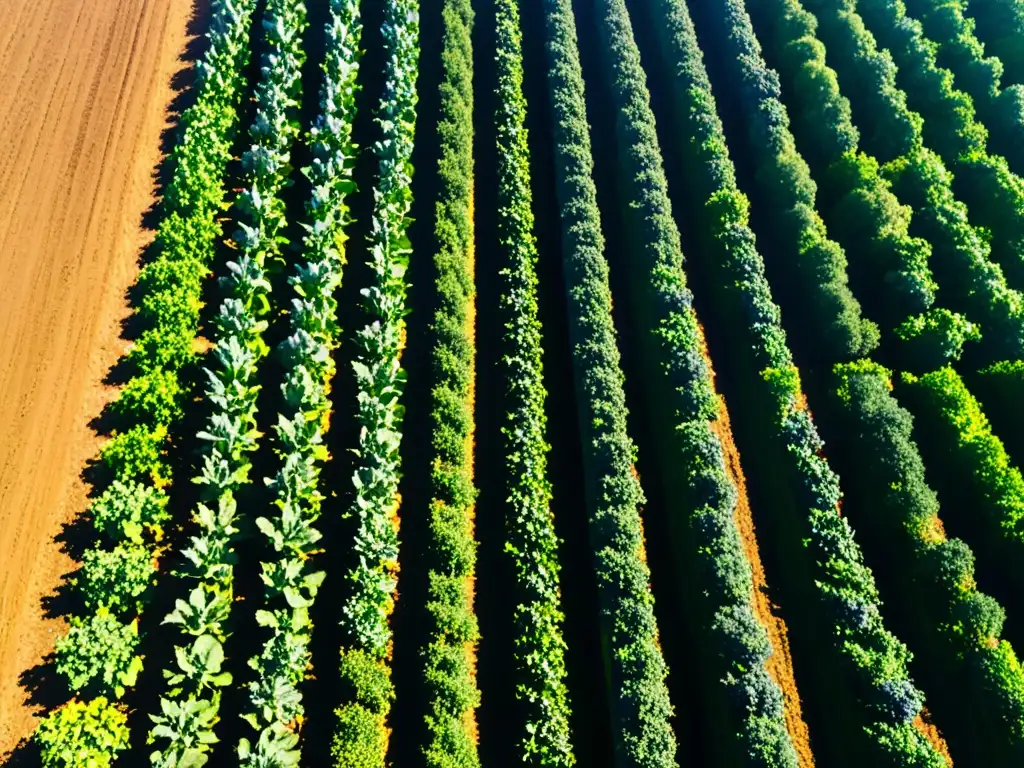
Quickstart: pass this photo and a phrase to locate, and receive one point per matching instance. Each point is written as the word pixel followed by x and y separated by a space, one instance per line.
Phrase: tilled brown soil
pixel 84 98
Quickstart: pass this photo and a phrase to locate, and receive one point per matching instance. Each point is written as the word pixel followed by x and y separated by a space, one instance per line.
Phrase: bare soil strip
pixel 780 663
pixel 83 102
pixel 923 723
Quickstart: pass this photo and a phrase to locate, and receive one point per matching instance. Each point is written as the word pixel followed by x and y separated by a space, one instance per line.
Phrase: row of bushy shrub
pixel 994 195
pixel 531 541
pixel 817 297
pixel 886 263
pixel 957 625
pixel 961 254
pixel 1000 26
pixel 1000 109
pixel 448 673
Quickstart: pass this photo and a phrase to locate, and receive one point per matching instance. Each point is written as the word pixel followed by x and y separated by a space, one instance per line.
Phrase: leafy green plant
pixel 155 396
pixel 935 338
pixel 290 584
pixel 187 725
pixel 200 666
pixel 81 734
pixel 99 653
pixel 117 578
pixel 130 510
pixel 137 454
pixel 230 434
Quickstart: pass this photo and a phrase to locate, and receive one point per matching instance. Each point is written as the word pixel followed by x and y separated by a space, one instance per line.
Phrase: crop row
pixel 954 420
pixel 703 515
pixel 613 493
pixel 99 655
pixel 963 624
pixel 887 265
pixel 448 656
pixel 961 255
pixel 531 541
pixel 932 340
pixel 955 627
pixel 818 292
pixel 189 710
pixel 1000 109
pixel 290 587
pixel 999 388
pixel 361 732
pixel 869 218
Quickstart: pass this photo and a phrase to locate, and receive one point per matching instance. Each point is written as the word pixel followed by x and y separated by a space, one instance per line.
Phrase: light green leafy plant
pixel 82 735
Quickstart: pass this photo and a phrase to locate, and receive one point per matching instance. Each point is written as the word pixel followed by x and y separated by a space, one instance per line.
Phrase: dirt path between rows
pixel 780 663
pixel 83 102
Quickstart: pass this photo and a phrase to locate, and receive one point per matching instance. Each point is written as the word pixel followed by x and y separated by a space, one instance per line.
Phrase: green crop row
pixel 1000 109
pixel 361 733
pixel 613 493
pixel 954 418
pixel 956 625
pixel 872 656
pixel 531 542
pixel 276 708
pixel 816 266
pixel 189 707
pixel 704 508
pixel 857 203
pixel 1000 387
pixel 994 195
pixel 448 655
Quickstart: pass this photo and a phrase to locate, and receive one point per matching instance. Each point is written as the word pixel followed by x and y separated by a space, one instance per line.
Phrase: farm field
pixel 627 383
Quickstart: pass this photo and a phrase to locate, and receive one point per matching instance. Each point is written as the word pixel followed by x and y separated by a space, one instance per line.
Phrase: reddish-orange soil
pixel 83 101
pixel 923 723
pixel 780 664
